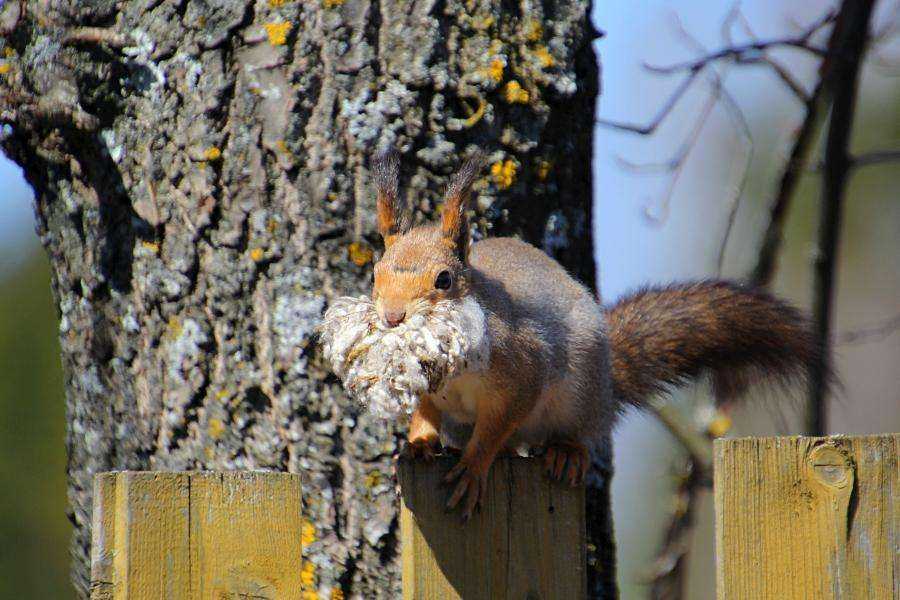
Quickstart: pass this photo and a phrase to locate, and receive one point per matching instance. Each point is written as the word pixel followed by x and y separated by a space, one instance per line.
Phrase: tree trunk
pixel 200 169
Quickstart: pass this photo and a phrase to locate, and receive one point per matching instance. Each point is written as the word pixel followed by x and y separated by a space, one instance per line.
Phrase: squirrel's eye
pixel 443 281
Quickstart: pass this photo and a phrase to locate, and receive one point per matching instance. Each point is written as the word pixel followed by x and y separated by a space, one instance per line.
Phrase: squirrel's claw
pixel 569 458
pixel 420 449
pixel 471 486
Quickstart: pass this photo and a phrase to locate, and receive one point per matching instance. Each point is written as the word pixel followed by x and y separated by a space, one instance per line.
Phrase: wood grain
pixel 196 536
pixel 527 542
pixel 815 518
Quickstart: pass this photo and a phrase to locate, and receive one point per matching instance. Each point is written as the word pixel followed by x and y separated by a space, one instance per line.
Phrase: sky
pixel 16 216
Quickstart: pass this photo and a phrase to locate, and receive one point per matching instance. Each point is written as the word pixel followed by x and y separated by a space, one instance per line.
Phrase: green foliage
pixel 34 532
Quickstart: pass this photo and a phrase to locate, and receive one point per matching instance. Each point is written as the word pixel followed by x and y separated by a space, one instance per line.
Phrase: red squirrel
pixel 561 367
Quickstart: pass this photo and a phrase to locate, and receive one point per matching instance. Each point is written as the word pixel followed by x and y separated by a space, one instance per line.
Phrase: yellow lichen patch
pixel 477 115
pixel 372 479
pixel 514 93
pixel 719 425
pixel 9 52
pixel 173 328
pixel 5 68
pixel 483 23
pixel 282 146
pixel 212 154
pixel 277 32
pixel 221 394
pixel 307 532
pixel 256 254
pixel 151 246
pixel 337 593
pixel 543 169
pixel 309 595
pixel 544 57
pixel 503 173
pixel 308 575
pixel 534 31
pixel 276 3
pixel 331 3
pixel 215 428
pixel 359 253
pixel 495 70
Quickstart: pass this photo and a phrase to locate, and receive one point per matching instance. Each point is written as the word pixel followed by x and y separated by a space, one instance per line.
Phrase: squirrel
pixel 561 366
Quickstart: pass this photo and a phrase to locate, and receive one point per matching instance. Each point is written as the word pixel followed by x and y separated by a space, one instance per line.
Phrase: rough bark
pixel 200 171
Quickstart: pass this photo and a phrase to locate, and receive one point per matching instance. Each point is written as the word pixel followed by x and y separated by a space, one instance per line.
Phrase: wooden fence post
pixel 527 542
pixel 815 518
pixel 196 535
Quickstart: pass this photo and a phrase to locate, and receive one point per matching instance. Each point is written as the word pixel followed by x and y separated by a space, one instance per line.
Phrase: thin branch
pixel 790 176
pixel 660 116
pixel 677 163
pixel 875 158
pixel 848 42
pixel 736 53
pixel 669 571
pixel 874 333
pixel 749 53
pixel 744 129
pixel 698 445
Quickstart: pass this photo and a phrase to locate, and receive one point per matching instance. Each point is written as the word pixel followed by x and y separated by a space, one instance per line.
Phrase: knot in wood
pixel 830 466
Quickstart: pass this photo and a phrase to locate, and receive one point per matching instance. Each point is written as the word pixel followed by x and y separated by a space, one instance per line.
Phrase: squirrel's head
pixel 422 265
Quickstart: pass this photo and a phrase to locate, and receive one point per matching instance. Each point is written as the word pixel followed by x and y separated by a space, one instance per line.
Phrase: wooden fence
pixel 815 518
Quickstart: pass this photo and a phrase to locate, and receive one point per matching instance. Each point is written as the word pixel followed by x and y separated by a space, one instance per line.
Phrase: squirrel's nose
pixel 392 318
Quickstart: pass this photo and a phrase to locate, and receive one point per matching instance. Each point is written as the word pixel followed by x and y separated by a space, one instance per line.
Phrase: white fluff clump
pixel 388 369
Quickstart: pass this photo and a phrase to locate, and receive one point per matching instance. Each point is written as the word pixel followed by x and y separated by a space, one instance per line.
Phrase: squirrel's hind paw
pixel 569 459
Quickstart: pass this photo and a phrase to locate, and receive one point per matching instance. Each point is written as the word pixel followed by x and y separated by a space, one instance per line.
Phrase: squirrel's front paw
pixel 472 486
pixel 422 448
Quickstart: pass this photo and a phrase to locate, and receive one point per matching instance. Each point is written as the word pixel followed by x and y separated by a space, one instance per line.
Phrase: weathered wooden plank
pixel 151 542
pixel 245 535
pixel 528 541
pixel 815 518
pixel 196 536
pixel 104 528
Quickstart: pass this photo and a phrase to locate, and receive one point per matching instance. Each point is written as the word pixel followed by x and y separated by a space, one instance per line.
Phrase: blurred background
pixel 649 228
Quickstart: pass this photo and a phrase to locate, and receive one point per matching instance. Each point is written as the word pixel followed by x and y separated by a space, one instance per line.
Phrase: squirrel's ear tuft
pixel 454 223
pixel 386 175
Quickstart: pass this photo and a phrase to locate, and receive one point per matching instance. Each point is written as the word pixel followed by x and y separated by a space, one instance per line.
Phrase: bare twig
pixel 738 191
pixel 676 164
pixel 697 444
pixel 668 572
pixel 736 53
pixel 874 333
pixel 847 45
pixel 660 116
pixel 790 176
pixel 875 158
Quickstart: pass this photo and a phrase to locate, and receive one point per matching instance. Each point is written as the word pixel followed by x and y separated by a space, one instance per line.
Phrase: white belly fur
pixel 458 397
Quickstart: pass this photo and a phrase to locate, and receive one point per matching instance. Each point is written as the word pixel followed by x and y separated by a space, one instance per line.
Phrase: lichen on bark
pixel 200 170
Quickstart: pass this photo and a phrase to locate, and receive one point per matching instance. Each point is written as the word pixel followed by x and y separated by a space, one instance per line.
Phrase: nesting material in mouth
pixel 388 369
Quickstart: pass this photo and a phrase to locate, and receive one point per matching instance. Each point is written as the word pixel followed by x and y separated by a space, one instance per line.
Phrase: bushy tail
pixel 660 337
